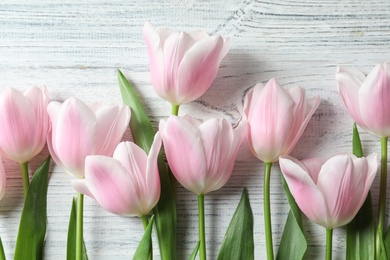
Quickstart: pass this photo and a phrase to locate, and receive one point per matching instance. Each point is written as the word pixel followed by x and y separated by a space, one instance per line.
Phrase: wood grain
pixel 75 47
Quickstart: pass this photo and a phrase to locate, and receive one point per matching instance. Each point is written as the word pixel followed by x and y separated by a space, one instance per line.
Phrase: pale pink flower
pixel 79 130
pixel 183 65
pixel 127 183
pixel 367 99
pixel 201 155
pixel 24 123
pixel 331 191
pixel 276 119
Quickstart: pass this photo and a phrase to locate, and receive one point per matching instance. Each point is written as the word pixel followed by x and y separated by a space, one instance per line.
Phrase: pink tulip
pixel 24 121
pixel 201 155
pixel 79 130
pixel 367 98
pixel 330 192
pixel 3 179
pixel 127 184
pixel 276 119
pixel 183 65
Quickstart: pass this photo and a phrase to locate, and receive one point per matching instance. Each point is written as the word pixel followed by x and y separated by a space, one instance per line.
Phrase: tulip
pixel 127 183
pixel 276 119
pixel 367 100
pixel 25 123
pixel 201 157
pixel 79 130
pixel 183 65
pixel 331 191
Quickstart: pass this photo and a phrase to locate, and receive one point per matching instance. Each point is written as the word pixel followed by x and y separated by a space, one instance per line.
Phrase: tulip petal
pixel 156 56
pixel 80 185
pixel 153 186
pixel 19 132
pixel 349 81
pixel 74 134
pixel 304 190
pixel 270 121
pixel 341 181
pixel 374 100
pixel 217 137
pixel 175 48
pixel 199 68
pixel 112 123
pixel 111 186
pixel 311 107
pixel 188 172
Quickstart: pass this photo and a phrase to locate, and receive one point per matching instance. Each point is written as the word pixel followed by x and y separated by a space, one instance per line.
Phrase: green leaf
pixel 2 253
pixel 386 243
pixel 293 244
pixel 145 246
pixel 195 252
pixel 32 227
pixel 143 135
pixel 361 230
pixel 71 242
pixel 238 241
pixel 356 143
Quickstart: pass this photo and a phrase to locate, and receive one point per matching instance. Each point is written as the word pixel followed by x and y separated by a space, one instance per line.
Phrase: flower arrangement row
pixel 133 179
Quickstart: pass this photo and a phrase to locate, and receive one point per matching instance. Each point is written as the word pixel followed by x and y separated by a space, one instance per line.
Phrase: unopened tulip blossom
pixel 183 65
pixel 24 126
pixel 367 100
pixel 331 191
pixel 127 183
pixel 276 119
pixel 79 130
pixel 201 156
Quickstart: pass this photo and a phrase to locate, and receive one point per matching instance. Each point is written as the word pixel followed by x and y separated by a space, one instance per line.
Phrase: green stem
pixel 202 234
pixel 382 196
pixel 175 109
pixel 329 237
pixel 79 227
pixel 267 211
pixel 25 177
pixel 145 222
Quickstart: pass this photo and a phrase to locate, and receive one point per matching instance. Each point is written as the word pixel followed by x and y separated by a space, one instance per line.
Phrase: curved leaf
pixel 293 244
pixel 238 241
pixel 32 227
pixel 145 246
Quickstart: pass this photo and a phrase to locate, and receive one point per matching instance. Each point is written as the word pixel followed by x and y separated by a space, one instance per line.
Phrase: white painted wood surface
pixel 75 47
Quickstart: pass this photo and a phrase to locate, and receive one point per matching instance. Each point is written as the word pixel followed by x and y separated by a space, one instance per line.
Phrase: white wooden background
pixel 75 47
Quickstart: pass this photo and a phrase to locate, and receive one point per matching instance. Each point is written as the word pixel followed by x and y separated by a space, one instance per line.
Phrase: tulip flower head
pixel 24 121
pixel 183 65
pixel 201 155
pixel 367 99
pixel 79 130
pixel 331 191
pixel 276 119
pixel 127 183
